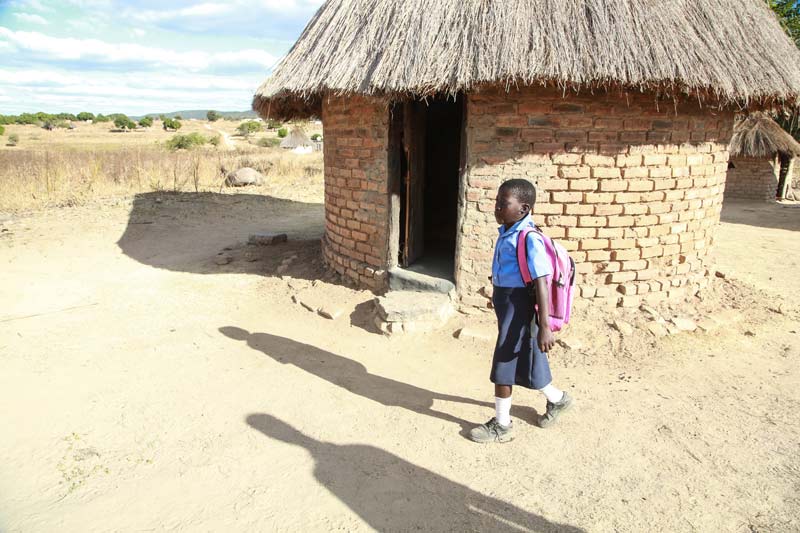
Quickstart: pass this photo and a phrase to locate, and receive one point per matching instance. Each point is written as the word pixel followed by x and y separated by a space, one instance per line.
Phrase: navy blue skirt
pixel 517 358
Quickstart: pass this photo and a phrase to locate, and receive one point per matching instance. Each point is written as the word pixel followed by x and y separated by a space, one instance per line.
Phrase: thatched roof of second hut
pixel 723 50
pixel 296 138
pixel 757 135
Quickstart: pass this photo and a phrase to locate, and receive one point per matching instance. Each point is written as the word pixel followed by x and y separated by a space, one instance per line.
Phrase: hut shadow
pixel 392 494
pixel 354 377
pixel 761 214
pixel 207 233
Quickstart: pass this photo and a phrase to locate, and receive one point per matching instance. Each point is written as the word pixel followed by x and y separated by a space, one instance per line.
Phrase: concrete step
pixel 403 279
pixel 412 311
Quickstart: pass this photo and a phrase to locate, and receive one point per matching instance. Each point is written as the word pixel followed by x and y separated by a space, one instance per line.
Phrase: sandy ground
pixel 144 387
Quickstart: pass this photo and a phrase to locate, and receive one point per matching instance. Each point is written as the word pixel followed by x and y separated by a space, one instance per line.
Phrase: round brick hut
pixel 761 153
pixel 619 111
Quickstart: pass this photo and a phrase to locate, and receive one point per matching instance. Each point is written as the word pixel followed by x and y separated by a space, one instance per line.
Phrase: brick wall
pixel 631 188
pixel 750 178
pixel 356 211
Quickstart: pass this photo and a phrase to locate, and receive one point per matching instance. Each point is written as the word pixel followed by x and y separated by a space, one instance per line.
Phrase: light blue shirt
pixel 505 269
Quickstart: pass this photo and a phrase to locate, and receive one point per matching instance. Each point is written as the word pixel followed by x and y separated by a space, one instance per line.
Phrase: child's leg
pixel 502 404
pixel 552 394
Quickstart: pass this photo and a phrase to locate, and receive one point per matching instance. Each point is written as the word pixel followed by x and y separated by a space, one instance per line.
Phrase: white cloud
pixel 32 18
pixel 203 10
pixel 94 51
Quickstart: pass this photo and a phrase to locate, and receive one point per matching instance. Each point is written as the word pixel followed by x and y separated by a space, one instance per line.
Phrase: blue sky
pixel 141 56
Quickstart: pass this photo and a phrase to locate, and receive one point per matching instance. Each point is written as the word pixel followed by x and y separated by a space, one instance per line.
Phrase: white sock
pixel 502 409
pixel 552 394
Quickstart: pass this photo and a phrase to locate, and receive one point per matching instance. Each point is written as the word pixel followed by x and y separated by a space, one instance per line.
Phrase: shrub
pixel 213 116
pixel 215 140
pixel 13 139
pixel 186 142
pixel 146 122
pixel 171 124
pixel 283 132
pixel 248 128
pixel 124 123
pixel 268 142
pixel 273 124
pixel 316 137
pixel 85 116
pixel 178 117
pixel 2 130
pixel 102 118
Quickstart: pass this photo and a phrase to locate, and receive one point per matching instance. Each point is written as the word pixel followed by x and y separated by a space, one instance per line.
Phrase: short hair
pixel 522 190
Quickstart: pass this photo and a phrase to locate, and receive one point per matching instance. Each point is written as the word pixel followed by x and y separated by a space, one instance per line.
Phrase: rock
pixel 657 330
pixel 305 301
pixel 707 325
pixel 223 259
pixel 722 274
pixel 623 327
pixel 570 344
pixel 297 284
pixel 473 334
pixel 672 329
pixel 651 313
pixel 331 312
pixel 684 324
pixel 267 239
pixel 243 177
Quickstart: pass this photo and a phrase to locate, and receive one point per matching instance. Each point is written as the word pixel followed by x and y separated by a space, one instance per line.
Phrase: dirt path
pixel 146 387
pixel 227 142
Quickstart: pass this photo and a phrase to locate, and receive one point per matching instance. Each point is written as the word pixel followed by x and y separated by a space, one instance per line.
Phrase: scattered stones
pixel 296 284
pixel 331 312
pixel 223 260
pixel 722 274
pixel 623 327
pixel 473 334
pixel 570 344
pixel 267 239
pixel 243 177
pixel 657 330
pixel 707 325
pixel 684 324
pixel 651 313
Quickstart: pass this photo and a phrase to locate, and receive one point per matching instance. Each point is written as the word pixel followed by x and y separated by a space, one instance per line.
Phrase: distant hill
pixel 201 114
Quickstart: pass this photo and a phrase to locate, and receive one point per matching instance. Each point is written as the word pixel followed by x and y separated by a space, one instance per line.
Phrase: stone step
pixel 412 311
pixel 403 279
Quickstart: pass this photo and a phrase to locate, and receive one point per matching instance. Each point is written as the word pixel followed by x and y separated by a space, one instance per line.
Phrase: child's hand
pixel 546 339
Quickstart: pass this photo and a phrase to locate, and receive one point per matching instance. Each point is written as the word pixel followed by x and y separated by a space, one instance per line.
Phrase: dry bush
pixel 36 178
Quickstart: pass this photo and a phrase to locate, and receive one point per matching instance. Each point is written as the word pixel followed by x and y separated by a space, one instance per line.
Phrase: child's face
pixel 508 209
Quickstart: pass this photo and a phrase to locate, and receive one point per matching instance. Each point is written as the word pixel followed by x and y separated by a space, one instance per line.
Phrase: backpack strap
pixel 522 255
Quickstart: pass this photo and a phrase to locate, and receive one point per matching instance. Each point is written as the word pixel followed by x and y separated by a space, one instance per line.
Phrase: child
pixel 520 355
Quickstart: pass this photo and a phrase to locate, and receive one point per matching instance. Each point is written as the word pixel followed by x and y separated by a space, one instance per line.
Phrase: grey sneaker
pixel 492 431
pixel 554 410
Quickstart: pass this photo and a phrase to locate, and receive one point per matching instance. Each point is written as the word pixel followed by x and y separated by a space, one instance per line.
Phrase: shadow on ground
pixel 207 233
pixel 391 494
pixel 761 214
pixel 354 377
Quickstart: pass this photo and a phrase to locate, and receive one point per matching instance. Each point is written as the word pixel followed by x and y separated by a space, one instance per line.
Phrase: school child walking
pixel 524 335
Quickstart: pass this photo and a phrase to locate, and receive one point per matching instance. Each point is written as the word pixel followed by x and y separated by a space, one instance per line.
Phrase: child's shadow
pixel 353 376
pixel 391 494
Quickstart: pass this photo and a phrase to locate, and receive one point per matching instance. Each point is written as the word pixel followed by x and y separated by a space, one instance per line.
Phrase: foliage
pixel 316 137
pixel 178 117
pixel 84 116
pixel 283 132
pixel 13 139
pixel 215 140
pixel 248 128
pixel 273 124
pixel 2 130
pixel 171 124
pixel 186 142
pixel 268 142
pixel 788 12
pixel 124 123
pixel 102 118
pixel 146 122
pixel 213 116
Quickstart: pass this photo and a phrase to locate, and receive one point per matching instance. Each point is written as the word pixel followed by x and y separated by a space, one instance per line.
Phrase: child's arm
pixel 546 338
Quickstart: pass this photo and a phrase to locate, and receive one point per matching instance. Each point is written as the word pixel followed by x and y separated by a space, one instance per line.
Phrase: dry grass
pixel 726 50
pixel 757 135
pixel 64 168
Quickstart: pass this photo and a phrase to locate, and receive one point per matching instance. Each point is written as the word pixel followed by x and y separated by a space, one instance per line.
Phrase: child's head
pixel 515 200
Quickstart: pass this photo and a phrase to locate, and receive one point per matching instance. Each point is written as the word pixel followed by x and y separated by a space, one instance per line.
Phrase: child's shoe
pixel 554 410
pixel 492 431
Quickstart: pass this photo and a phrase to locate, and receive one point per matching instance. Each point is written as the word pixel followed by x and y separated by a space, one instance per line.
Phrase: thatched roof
pixel 757 135
pixel 720 51
pixel 296 138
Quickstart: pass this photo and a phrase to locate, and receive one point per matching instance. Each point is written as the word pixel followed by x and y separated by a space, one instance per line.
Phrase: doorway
pixel 425 162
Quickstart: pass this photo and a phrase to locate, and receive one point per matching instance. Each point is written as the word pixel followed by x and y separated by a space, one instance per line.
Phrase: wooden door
pixel 414 146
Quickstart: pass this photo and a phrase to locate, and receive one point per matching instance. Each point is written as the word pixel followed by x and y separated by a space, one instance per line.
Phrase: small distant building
pixel 760 149
pixel 298 142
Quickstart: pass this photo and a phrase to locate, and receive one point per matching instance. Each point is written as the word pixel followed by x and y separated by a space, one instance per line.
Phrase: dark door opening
pixel 425 163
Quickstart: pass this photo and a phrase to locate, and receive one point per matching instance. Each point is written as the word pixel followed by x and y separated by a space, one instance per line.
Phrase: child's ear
pixel 526 208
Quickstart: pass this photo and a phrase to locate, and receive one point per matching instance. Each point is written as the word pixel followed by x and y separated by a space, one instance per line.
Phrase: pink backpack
pixel 561 284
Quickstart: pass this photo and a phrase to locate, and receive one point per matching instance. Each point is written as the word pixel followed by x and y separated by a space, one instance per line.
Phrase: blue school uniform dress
pixel 517 359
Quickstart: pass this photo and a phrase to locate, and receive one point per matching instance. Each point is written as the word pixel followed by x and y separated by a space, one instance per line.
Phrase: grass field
pixel 91 162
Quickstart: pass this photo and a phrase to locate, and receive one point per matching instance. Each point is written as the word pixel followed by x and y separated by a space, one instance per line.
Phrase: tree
pixel 171 124
pixel 124 123
pixel 213 116
pixel 85 116
pixel 788 12
pixel 146 122
pixel 102 118
pixel 248 128
pixel 178 117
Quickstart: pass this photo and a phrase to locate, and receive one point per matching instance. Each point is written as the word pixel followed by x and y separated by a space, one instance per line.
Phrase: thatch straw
pixel 757 135
pixel 296 138
pixel 724 51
